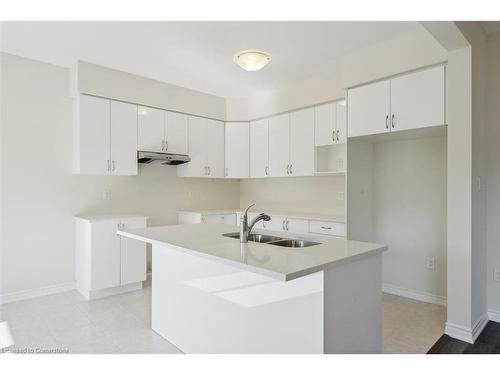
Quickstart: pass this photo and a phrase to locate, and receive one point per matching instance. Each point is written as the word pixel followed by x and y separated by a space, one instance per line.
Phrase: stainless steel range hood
pixel 164 158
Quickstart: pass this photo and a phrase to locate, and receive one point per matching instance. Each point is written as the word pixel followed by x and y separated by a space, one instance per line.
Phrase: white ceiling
pixel 198 55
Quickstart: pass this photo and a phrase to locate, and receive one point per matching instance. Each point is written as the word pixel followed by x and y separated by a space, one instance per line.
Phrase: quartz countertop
pixel 281 263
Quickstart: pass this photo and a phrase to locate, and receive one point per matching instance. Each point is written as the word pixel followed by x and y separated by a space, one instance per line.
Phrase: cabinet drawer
pixel 329 228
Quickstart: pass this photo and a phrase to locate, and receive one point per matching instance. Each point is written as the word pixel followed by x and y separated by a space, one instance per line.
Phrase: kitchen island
pixel 211 294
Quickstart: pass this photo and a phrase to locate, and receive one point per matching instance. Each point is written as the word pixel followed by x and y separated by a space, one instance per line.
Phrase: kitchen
pixel 307 151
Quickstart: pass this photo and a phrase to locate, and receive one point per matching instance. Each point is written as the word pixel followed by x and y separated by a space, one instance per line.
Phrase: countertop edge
pixel 262 271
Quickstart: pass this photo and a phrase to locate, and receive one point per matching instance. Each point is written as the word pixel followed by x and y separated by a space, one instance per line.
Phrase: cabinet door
pixel 324 125
pixel 302 142
pixel 94 136
pixel 197 149
pixel 132 254
pixel 368 109
pixel 176 138
pixel 297 226
pixel 279 145
pixel 277 223
pixel 229 219
pixel 105 256
pixel 259 148
pixel 212 219
pixel 151 129
pixel 341 121
pixel 237 153
pixel 123 138
pixel 215 148
pixel 417 99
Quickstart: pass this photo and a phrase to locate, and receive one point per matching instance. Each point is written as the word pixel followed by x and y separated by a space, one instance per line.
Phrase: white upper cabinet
pixel 369 109
pixel 340 121
pixel 197 136
pixel 325 124
pixel 215 148
pixel 105 137
pixel 162 131
pixel 237 150
pixel 410 101
pixel 176 133
pixel 279 145
pixel 205 148
pixel 302 143
pixel 123 138
pixel 151 131
pixel 330 124
pixel 418 99
pixel 259 148
pixel 91 135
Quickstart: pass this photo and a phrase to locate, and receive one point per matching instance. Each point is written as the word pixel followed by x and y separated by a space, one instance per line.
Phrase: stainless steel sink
pixel 294 243
pixel 273 240
pixel 255 237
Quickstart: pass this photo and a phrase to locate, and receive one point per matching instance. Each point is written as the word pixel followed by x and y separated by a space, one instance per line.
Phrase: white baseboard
pixel 464 333
pixel 102 293
pixel 494 315
pixel 36 292
pixel 414 294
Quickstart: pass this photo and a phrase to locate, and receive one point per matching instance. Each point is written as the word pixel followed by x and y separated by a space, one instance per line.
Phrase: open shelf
pixel 330 160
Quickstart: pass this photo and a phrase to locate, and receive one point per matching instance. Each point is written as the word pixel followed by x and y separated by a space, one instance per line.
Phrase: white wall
pixel 493 170
pixel 40 195
pixel 409 214
pixel 296 194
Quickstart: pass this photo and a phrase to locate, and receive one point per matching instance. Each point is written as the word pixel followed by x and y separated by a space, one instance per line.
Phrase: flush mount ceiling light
pixel 252 60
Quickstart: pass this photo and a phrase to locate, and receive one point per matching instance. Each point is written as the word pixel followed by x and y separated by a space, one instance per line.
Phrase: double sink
pixel 273 240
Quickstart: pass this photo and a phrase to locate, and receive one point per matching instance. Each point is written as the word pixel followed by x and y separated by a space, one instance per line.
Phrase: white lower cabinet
pixel 186 217
pixel 329 228
pixel 106 263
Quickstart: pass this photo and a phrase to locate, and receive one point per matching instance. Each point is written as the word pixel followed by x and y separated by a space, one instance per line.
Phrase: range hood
pixel 164 158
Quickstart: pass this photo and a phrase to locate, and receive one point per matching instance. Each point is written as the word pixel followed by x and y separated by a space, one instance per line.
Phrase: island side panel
pixel 203 306
pixel 353 306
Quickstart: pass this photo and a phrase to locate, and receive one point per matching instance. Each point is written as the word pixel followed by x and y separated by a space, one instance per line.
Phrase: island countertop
pixel 281 263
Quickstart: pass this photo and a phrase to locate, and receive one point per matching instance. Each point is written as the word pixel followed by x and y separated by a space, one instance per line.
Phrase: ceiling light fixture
pixel 252 60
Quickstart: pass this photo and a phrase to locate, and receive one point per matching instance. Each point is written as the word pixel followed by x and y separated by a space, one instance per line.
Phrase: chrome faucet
pixel 246 228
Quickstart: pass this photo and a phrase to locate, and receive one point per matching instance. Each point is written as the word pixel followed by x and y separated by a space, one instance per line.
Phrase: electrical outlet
pixel 496 274
pixel 106 195
pixel 430 263
pixel 340 195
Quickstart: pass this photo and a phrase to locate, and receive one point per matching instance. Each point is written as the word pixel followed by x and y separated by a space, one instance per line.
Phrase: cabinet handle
pixel 387 122
pixel 208 168
pixel 326 228
pixel 291 170
pixel 333 136
pixel 286 225
pixel 166 145
pixel 227 172
pixel 113 164
pixel 392 121
pixel 263 224
pixel 163 145
pixel 283 225
pixel 338 139
pixel 267 170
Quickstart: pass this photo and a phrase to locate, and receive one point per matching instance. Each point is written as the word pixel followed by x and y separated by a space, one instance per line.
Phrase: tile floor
pixel 121 324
